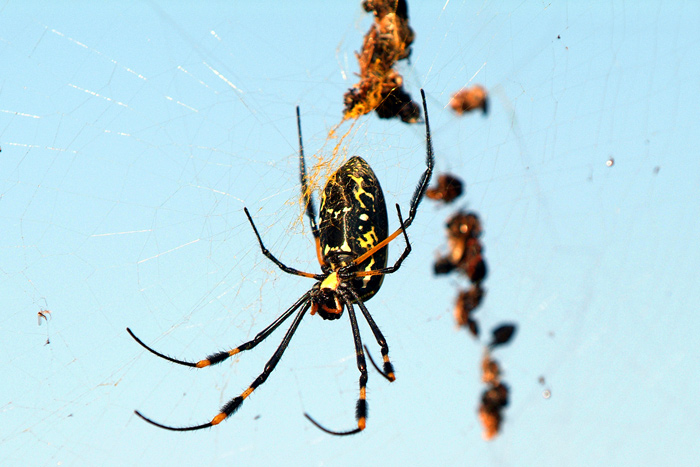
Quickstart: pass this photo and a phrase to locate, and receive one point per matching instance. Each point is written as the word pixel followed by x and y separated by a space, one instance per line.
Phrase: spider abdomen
pixel 353 219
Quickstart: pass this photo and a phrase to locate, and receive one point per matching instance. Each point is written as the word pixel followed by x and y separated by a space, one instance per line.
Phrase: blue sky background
pixel 133 134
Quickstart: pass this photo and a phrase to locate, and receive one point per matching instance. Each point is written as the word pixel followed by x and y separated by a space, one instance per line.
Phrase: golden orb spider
pixel 351 246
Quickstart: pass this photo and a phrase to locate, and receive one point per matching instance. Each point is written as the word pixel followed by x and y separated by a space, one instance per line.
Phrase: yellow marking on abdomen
pixel 360 191
pixel 370 239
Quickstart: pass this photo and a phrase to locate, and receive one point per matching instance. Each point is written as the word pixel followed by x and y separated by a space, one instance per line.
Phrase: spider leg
pixel 272 258
pixel 234 404
pixel 429 161
pixel 376 367
pixel 361 409
pixel 406 250
pixel 155 352
pixel 388 372
pixel 219 357
pixel 305 191
pixel 307 195
pixel 171 428
pixel 397 264
pixel 417 194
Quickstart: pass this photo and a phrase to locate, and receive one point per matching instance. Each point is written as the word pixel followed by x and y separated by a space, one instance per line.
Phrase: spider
pixel 351 246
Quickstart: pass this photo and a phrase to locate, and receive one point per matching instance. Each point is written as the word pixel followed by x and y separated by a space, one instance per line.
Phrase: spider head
pixel 324 298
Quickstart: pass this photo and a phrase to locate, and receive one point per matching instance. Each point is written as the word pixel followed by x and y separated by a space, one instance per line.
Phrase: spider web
pixel 132 136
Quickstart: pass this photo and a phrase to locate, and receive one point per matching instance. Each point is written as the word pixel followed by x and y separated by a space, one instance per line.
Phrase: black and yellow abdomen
pixel 353 219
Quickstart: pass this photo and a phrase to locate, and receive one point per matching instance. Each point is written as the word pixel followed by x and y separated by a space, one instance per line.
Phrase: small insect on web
pixel 351 245
pixel 46 314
